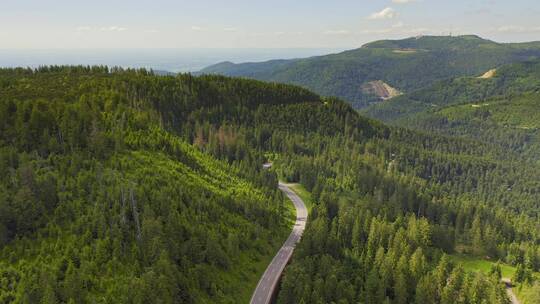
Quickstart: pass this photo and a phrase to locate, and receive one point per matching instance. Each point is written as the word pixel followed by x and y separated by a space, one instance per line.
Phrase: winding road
pixel 269 281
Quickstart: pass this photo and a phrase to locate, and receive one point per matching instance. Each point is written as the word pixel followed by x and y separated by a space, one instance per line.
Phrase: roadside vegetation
pixel 525 285
pixel 303 194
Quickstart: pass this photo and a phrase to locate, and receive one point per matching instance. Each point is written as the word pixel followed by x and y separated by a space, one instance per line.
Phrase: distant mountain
pixel 404 65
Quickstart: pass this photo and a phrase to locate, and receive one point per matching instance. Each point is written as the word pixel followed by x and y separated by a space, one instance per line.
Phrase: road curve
pixel 269 281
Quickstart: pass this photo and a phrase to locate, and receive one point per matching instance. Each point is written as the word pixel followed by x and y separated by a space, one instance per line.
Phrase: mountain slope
pixel 500 109
pixel 136 188
pixel 100 202
pixel 406 65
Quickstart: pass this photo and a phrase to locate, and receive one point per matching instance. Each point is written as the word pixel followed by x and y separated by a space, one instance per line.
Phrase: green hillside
pixel 406 65
pixel 503 109
pixel 123 186
pixel 508 80
pixel 519 112
pixel 99 202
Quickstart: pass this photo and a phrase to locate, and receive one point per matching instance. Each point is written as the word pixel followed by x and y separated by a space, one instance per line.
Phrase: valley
pixel 130 186
pixel 270 152
pixel 493 107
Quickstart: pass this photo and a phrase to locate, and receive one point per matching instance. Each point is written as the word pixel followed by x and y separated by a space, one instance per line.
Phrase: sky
pixel 74 24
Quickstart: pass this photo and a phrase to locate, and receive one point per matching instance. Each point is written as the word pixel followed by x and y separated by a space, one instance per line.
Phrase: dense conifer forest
pixel 99 202
pixel 502 110
pixel 121 186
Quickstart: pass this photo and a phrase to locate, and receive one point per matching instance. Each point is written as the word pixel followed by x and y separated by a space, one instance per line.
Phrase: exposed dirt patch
pixel 381 89
pixel 405 51
pixel 489 74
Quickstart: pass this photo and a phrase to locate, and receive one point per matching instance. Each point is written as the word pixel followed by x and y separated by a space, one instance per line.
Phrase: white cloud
pixel 196 28
pixel 113 28
pixel 386 13
pixel 288 33
pixel 403 1
pixel 336 32
pixel 230 29
pixel 151 31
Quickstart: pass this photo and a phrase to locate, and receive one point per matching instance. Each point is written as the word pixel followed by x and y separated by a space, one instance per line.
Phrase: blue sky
pixel 39 24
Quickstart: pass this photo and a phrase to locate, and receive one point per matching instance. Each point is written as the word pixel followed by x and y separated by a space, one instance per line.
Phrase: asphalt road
pixel 269 281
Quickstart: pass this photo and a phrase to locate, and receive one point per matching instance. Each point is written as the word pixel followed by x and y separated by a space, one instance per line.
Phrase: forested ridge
pixel 503 109
pixel 407 65
pixel 123 186
pixel 99 203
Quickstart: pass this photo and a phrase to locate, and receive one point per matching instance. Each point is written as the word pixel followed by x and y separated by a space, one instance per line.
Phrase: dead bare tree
pixel 123 219
pixel 135 213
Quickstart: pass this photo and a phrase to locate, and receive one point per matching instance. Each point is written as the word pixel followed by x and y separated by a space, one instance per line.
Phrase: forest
pixel 101 204
pixel 502 109
pixel 408 65
pixel 122 186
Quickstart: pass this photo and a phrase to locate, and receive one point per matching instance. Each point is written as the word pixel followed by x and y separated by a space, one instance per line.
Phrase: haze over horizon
pixel 270 152
pixel 171 60
pixel 62 24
